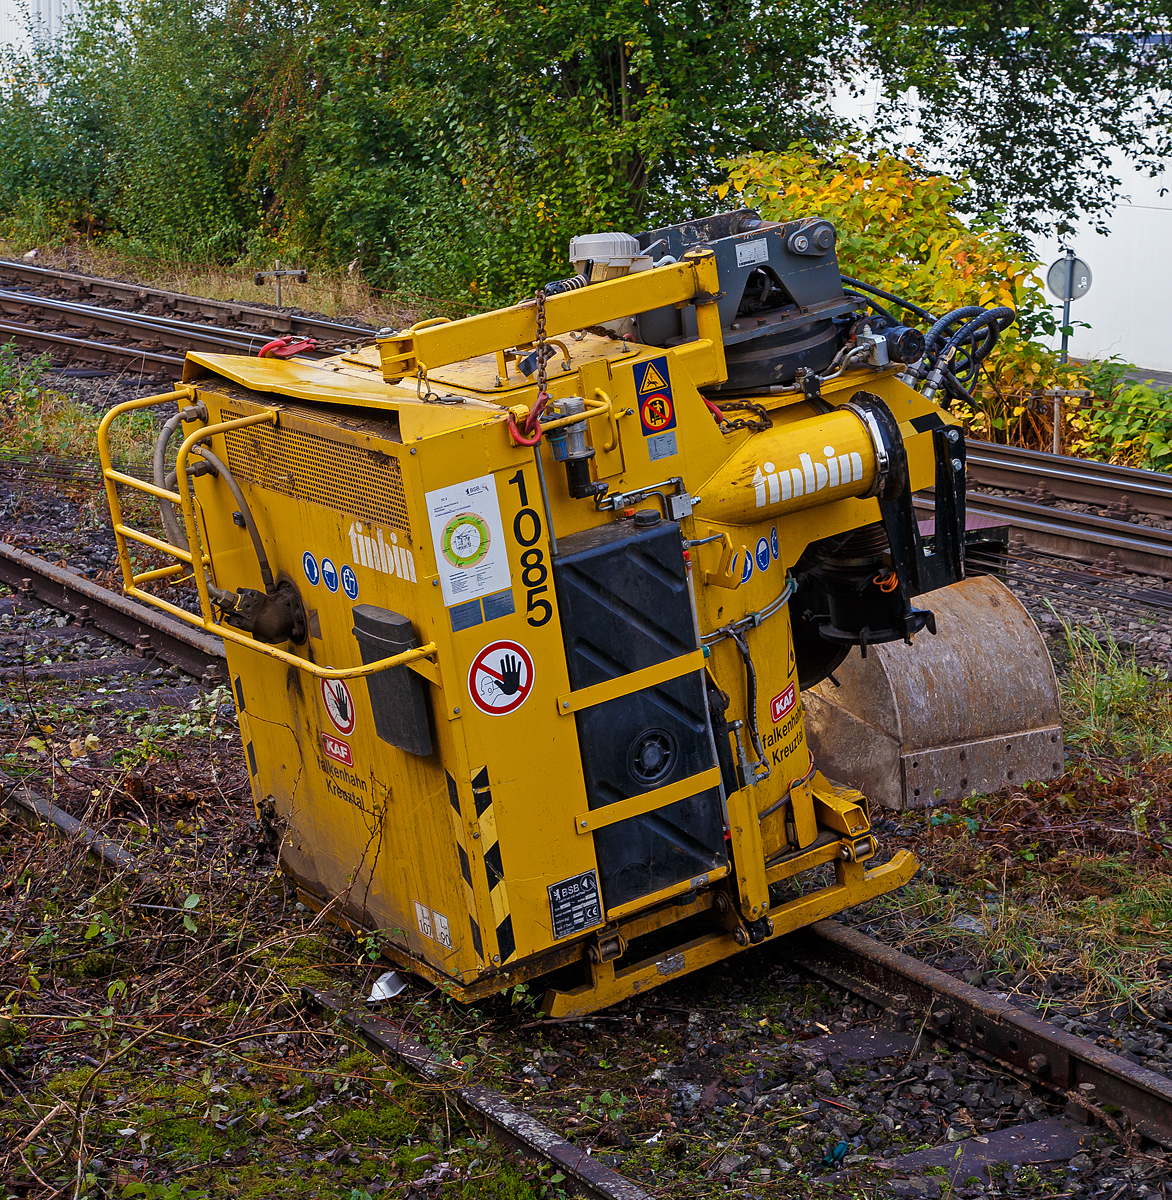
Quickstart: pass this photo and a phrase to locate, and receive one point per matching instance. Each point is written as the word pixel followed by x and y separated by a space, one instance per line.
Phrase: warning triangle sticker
pixel 652 381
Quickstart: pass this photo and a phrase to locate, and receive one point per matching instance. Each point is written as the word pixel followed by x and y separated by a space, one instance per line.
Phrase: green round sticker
pixel 465 540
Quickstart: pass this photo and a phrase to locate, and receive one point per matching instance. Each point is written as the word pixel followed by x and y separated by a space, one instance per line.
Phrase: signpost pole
pixel 1067 293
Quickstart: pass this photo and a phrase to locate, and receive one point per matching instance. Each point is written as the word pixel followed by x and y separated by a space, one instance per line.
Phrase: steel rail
pixel 181 334
pixel 87 350
pixel 987 1025
pixel 1090 539
pixel 255 317
pixel 149 632
pixel 1064 478
pixel 500 1117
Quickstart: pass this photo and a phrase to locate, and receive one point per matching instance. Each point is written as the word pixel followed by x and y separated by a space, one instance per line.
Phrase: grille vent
pixel 307 466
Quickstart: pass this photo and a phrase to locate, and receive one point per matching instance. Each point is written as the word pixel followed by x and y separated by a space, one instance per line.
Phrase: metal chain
pixel 540 298
pixel 763 421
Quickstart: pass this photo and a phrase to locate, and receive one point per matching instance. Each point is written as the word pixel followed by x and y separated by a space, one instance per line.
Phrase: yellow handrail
pixel 205 619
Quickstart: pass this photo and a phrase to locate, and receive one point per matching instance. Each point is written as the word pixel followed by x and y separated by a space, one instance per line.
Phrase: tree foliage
pixel 1026 98
pixel 900 229
pixel 135 120
pixel 468 140
pixel 452 147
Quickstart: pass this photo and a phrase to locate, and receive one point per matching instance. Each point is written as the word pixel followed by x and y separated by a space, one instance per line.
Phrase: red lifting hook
pixel 284 347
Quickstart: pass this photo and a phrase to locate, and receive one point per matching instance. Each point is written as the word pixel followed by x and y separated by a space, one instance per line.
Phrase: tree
pixel 469 138
pixel 1027 98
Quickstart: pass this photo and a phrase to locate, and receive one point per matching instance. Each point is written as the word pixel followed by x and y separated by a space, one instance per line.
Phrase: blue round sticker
pixel 309 565
pixel 747 569
pixel 349 582
pixel 762 554
pixel 773 543
pixel 329 574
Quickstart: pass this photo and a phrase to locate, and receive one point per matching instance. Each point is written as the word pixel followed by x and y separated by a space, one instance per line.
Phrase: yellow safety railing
pixel 199 563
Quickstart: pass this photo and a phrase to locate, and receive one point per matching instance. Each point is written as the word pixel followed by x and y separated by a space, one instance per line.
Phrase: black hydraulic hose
pixel 262 558
pixel 751 695
pixel 166 511
pixel 938 330
pixel 874 307
pixel 992 322
pixel 266 572
pixel 889 296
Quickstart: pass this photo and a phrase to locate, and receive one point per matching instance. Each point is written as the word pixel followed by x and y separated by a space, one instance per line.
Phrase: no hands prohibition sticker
pixel 500 678
pixel 339 705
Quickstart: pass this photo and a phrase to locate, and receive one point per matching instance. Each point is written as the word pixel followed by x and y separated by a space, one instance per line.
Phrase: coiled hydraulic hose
pixel 169 479
pixel 976 337
pixel 952 355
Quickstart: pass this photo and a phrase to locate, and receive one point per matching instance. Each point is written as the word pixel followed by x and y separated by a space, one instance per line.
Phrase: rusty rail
pixel 504 1120
pixel 1087 1075
pixel 198 654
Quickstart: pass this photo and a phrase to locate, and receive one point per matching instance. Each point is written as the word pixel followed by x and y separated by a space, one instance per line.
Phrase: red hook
pixel 285 347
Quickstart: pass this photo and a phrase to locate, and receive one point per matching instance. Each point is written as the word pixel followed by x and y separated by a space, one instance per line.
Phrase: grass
pixel 332 293
pixel 1073 876
pixel 1111 704
pixel 36 420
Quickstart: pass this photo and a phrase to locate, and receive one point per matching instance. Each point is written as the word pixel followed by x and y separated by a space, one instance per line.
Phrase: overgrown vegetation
pixel 451 148
pixel 152 1040
pixel 37 420
pixel 1069 880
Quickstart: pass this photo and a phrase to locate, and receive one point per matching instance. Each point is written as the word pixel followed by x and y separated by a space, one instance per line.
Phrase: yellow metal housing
pixel 358 470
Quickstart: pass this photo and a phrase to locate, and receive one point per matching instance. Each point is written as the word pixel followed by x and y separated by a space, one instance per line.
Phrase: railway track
pixel 142 329
pixel 1080 1087
pixel 1130 531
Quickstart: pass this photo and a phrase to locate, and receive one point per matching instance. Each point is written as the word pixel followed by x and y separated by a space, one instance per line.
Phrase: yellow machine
pixel 518 608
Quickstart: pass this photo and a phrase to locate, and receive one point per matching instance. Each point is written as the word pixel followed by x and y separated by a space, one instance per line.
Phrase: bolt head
pixel 456 710
pixel 583 824
pixel 957 465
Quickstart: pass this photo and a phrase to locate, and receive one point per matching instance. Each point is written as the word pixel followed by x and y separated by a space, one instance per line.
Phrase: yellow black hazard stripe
pixel 493 867
pixel 465 866
pixel 246 734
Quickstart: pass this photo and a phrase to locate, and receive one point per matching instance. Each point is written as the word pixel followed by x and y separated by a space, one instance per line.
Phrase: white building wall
pixel 1129 306
pixel 19 17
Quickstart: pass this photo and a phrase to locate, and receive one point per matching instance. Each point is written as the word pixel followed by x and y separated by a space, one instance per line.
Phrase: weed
pixel 21 381
pixel 1111 704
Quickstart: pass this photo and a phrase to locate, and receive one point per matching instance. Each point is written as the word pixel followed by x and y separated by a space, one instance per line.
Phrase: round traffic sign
pixel 1080 278
pixel 500 678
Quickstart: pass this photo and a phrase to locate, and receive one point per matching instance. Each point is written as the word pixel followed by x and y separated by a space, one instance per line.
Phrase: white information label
pixel 756 251
pixel 469 540
pixel 443 932
pixel 423 920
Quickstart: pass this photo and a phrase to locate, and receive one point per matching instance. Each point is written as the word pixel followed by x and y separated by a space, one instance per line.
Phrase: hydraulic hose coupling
pixel 936 375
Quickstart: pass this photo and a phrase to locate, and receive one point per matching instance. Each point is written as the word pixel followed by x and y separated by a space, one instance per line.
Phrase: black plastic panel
pixel 398 697
pixel 624 604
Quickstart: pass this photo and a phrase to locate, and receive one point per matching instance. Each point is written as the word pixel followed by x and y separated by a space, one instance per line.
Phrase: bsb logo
pixel 782 703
